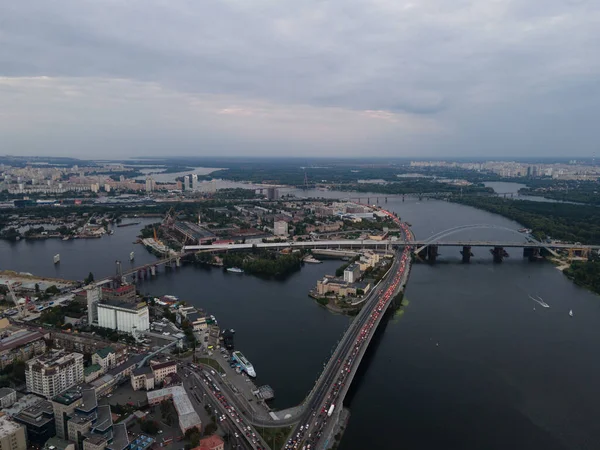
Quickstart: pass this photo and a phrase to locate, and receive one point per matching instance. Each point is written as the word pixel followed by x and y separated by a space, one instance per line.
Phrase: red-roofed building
pixel 213 442
pixel 125 292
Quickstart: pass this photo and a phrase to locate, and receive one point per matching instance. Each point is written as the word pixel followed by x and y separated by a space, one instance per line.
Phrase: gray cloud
pixel 469 73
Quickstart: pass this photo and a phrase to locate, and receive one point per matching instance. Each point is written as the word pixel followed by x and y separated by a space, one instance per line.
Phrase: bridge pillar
pixel 432 253
pixel 466 254
pixel 533 253
pixel 386 199
pixel 153 271
pixel 499 254
pixel 178 262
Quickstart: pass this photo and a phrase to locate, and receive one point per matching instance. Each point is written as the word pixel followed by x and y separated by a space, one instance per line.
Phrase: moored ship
pixel 245 365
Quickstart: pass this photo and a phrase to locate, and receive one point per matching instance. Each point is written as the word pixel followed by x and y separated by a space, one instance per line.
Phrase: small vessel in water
pixel 310 259
pixel 235 270
pixel 571 313
pixel 66 238
pixel 131 256
pixel 57 258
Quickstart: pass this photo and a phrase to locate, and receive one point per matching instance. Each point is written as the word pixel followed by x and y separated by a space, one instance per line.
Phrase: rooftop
pixel 19 338
pixel 121 304
pixel 55 443
pixel 6 391
pixel 55 359
pixel 121 438
pixel 210 442
pixel 69 396
pixel 7 426
pixel 187 415
pixel 38 414
pixel 91 369
pixel 142 442
pixel 104 352
pixel 127 364
pixel 24 402
pixel 164 364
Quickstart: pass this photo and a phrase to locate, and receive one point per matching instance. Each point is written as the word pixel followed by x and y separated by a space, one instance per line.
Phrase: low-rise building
pixel 21 345
pixel 161 370
pixel 51 374
pixel 92 372
pixel 38 420
pixel 142 378
pixel 106 358
pixel 8 396
pixel 214 442
pixel 56 443
pixel 188 418
pixel 12 435
pixel 280 228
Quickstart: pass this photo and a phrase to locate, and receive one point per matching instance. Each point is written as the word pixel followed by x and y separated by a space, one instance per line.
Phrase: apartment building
pixel 12 435
pixel 51 374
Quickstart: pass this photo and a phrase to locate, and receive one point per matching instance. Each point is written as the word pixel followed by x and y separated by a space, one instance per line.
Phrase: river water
pixel 469 364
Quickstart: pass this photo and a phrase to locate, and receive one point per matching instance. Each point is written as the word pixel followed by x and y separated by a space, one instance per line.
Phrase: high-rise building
pixel 12 435
pixel 186 183
pixel 94 294
pixel 272 193
pixel 64 405
pixel 150 184
pixel 194 182
pixel 51 374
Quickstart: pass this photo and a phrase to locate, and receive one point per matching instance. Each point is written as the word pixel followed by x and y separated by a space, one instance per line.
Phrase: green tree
pixel 149 426
pixel 210 429
pixel 89 279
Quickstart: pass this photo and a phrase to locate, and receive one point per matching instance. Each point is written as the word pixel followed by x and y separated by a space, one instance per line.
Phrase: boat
pixel 227 336
pixel 311 260
pixel 66 238
pixel 131 256
pixel 245 365
pixel 56 258
pixel 235 270
pixel 571 313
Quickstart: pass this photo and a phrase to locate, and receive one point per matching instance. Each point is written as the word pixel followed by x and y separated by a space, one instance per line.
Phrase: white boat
pixel 56 258
pixel 66 238
pixel 235 270
pixel 244 363
pixel 131 256
pixel 571 313
pixel 312 260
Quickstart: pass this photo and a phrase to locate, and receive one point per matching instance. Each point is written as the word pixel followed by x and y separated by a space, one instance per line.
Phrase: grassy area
pixel 212 363
pixel 275 437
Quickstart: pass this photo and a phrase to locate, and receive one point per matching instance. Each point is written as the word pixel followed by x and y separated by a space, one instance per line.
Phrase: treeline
pixel 264 263
pixel 563 221
pixel 585 273
pixel 419 186
pixel 564 190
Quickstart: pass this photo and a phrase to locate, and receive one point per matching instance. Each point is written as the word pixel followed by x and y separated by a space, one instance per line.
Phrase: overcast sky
pixel 439 78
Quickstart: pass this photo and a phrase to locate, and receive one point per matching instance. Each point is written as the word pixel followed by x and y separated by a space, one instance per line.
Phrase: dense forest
pixel 417 186
pixel 564 221
pixel 264 263
pixel 585 273
pixel 564 190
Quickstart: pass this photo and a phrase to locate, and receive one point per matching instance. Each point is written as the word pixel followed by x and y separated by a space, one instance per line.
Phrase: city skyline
pixel 337 79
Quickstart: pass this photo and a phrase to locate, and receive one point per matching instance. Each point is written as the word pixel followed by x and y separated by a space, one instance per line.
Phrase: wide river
pixel 472 363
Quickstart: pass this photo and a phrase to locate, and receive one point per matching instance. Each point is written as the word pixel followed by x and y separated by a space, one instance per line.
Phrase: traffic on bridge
pixel 337 376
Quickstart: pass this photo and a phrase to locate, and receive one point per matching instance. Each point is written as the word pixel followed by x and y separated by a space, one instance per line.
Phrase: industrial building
pixel 124 316
pixel 51 374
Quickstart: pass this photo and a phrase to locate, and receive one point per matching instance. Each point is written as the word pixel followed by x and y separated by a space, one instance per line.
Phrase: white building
pixel 124 316
pixel 194 182
pixel 51 374
pixel 12 435
pixel 150 184
pixel 8 396
pixel 280 228
pixel 186 183
pixel 352 273
pixel 94 294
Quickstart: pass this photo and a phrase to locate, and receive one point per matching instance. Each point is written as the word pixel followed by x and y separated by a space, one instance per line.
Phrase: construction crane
pixel 20 308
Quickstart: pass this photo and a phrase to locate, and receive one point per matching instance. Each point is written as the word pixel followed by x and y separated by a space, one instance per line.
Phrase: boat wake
pixel 540 301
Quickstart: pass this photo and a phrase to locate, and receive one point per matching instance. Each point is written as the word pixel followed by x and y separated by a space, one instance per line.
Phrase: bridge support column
pixel 153 271
pixel 177 262
pixel 466 254
pixel 432 253
pixel 533 253
pixel 499 254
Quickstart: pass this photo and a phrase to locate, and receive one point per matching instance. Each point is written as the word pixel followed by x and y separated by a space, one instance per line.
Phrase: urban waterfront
pixel 469 364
